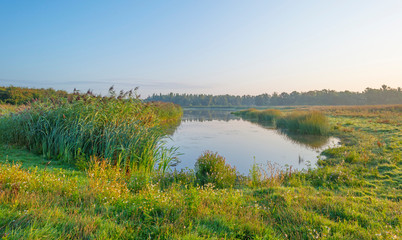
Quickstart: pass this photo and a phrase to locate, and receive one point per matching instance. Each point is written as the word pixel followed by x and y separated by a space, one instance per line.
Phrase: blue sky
pixel 218 47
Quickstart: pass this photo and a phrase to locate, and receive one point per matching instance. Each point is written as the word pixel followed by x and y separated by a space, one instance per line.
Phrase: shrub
pixel 212 168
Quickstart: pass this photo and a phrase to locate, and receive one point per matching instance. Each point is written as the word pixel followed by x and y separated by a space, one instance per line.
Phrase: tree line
pixel 22 95
pixel 370 96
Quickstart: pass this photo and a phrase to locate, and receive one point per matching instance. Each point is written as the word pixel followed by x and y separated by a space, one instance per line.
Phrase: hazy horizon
pixel 201 47
pixel 105 91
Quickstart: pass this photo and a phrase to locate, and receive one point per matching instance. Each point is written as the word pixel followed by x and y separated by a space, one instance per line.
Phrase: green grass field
pixel 355 193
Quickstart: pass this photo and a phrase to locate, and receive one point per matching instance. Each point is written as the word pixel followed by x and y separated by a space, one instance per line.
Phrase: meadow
pixel 113 184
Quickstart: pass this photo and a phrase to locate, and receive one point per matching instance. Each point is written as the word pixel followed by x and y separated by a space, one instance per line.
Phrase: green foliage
pixel 19 95
pixel 8 108
pixel 124 131
pixel 212 168
pixel 383 95
pixel 312 122
pixel 268 115
pixel 267 175
pixel 354 193
pixel 138 181
pixel 99 205
pixel 333 177
pixel 255 175
pixel 301 122
pixel 166 112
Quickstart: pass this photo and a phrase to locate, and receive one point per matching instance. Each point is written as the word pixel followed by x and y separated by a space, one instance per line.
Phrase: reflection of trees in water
pixel 311 141
pixel 202 115
pixel 199 115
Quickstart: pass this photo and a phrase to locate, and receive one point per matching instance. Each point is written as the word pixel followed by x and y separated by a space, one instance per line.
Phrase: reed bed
pixel 301 122
pixel 9 108
pixel 260 115
pixel 124 131
pixel 311 122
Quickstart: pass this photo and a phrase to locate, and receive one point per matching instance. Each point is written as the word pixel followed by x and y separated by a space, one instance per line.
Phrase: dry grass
pixel 362 111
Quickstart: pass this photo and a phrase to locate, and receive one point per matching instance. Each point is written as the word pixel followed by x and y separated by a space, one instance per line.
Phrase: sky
pixel 209 46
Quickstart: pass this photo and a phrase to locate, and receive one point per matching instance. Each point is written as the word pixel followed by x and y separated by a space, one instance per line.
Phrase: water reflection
pixel 241 142
pixel 171 127
pixel 314 142
pixel 201 115
pixel 311 141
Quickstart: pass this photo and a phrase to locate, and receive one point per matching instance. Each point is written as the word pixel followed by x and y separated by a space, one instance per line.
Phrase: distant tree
pixel 383 95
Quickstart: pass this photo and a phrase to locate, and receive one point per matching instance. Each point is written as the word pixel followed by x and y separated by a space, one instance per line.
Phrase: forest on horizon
pixel 370 96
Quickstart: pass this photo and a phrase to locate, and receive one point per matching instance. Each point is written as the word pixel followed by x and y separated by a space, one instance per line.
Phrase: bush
pixel 212 168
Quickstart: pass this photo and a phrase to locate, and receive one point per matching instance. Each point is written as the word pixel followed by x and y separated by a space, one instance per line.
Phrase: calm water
pixel 242 142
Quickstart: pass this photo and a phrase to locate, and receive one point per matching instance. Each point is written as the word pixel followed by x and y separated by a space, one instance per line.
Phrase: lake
pixel 242 142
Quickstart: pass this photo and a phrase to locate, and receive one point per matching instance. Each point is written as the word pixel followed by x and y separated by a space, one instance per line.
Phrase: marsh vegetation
pixel 296 121
pixel 53 187
pixel 119 128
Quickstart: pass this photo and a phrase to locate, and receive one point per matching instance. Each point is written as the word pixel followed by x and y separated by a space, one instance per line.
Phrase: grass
pixel 268 115
pixel 354 193
pixel 374 111
pixel 301 122
pixel 101 204
pixel 9 108
pixel 125 132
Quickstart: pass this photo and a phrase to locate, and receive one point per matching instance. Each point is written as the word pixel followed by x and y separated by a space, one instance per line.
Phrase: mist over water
pixel 242 142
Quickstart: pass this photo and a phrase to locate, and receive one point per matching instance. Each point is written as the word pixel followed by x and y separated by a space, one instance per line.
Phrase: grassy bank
pixel 355 193
pixel 124 131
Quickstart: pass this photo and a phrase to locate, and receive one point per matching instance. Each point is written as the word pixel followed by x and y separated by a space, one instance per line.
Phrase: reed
pixel 304 122
pixel 354 193
pixel 268 115
pixel 8 108
pixel 124 131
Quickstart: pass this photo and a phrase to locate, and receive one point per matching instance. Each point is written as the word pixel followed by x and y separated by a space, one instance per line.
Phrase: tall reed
pixel 304 122
pixel 124 131
pixel 260 115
